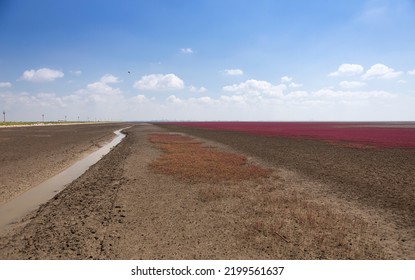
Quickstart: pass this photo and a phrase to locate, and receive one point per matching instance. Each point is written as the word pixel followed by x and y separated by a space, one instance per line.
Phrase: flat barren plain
pixel 175 192
pixel 29 155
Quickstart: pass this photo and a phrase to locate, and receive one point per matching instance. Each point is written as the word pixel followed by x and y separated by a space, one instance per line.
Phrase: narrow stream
pixel 33 198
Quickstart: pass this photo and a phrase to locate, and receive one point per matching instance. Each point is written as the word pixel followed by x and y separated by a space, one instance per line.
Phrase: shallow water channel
pixel 33 198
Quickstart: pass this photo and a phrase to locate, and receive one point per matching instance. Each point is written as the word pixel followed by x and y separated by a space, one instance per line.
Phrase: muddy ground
pixel 321 201
pixel 30 155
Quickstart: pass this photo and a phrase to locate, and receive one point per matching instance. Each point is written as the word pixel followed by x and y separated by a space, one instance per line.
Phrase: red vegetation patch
pixel 367 134
pixel 190 160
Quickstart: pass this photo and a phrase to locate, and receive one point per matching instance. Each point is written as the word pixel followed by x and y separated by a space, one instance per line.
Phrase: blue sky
pixel 208 60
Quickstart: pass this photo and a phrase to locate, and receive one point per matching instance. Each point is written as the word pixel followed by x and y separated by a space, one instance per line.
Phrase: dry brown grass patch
pixel 287 224
pixel 191 161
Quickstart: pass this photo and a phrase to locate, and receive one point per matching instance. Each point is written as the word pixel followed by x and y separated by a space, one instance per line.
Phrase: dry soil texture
pixel 319 201
pixel 30 155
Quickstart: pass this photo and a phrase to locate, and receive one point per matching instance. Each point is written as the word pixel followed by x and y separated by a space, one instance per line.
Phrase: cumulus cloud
pixel 255 87
pixel 297 94
pixel 197 89
pixel 286 79
pixel 339 94
pixel 348 70
pixel 33 100
pixel 140 99
pixel 203 100
pixel 173 99
pixel 289 82
pixel 351 84
pixel 76 72
pixel 381 71
pixel 41 75
pixel 233 99
pixel 109 79
pixel 101 90
pixel 186 50
pixel 412 72
pixel 233 72
pixel 5 85
pixel 294 85
pixel 50 100
pixel 159 82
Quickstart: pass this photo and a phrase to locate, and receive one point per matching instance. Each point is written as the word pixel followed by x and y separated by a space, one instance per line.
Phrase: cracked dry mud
pixel 122 209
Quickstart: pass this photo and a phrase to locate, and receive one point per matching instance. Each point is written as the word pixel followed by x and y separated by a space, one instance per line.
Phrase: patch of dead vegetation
pixel 288 224
pixel 189 160
pixel 353 145
pixel 278 219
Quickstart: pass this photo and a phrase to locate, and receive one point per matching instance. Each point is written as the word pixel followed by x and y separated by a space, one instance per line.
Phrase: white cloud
pixel 330 93
pixel 412 72
pixel 159 82
pixel 197 90
pixel 173 99
pixel 348 70
pixel 5 85
pixel 186 50
pixel 206 100
pixel 76 72
pixel 140 99
pixel 33 100
pixel 381 71
pixel 286 79
pixel 294 85
pixel 255 87
pixel 233 72
pixel 297 94
pixel 100 91
pixel 351 84
pixel 41 75
pixel 233 99
pixel 102 88
pixel 49 100
pixel 109 79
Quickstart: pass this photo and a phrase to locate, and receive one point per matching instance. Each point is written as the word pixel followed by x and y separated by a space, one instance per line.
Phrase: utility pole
pixel 65 118
pixel 43 117
pixel 4 116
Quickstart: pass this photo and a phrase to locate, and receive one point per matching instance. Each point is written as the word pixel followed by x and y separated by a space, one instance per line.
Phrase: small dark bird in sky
pixel 129 72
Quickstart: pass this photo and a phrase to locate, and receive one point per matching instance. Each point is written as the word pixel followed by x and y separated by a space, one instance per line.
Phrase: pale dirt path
pixel 166 219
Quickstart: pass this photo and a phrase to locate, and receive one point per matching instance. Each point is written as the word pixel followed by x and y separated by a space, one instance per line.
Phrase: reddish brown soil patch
pixel 379 134
pixel 190 160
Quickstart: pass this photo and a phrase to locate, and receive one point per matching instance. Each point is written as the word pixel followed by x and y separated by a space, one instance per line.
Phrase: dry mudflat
pixel 160 195
pixel 29 155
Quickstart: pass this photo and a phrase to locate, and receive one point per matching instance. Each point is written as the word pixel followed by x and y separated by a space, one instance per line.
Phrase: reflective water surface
pixel 33 198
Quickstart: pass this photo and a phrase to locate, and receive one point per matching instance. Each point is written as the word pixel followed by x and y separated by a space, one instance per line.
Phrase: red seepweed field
pixel 377 134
